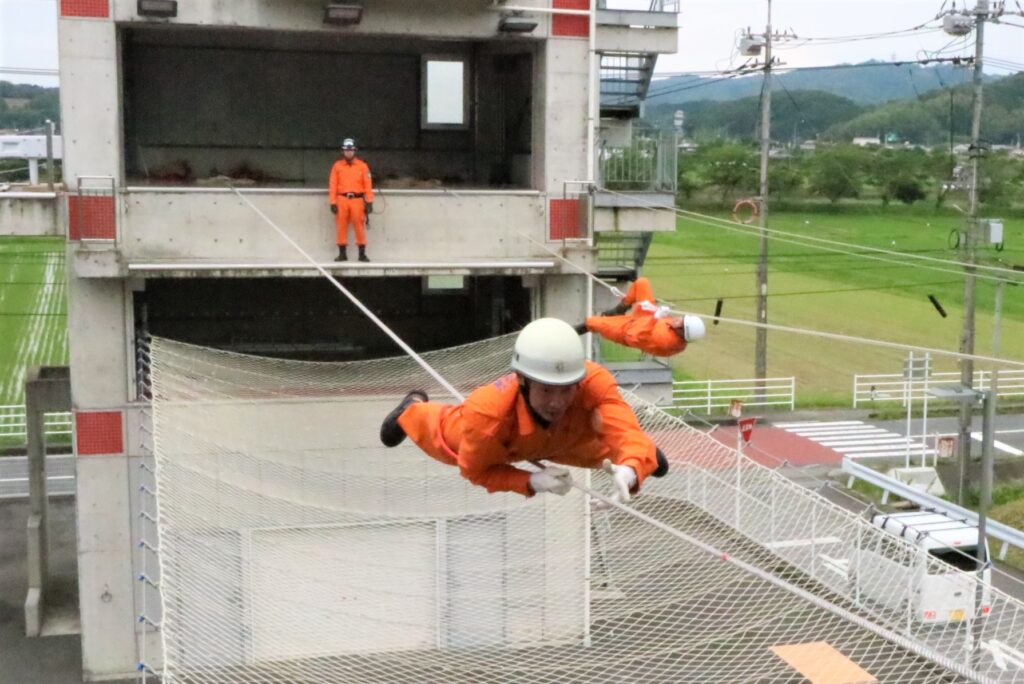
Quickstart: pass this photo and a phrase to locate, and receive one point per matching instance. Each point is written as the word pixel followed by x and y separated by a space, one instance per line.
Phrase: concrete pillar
pixel 46 390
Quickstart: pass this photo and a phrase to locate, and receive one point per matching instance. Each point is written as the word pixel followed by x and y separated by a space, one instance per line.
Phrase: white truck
pixel 887 574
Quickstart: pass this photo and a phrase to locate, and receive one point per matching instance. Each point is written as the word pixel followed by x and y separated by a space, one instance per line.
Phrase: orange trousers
pixel 435 428
pixel 351 211
pixel 639 291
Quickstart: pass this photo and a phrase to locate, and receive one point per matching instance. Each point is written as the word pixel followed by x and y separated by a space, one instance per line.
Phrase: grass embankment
pixel 33 306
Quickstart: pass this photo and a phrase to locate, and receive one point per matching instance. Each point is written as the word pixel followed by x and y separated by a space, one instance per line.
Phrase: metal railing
pixel 707 395
pixel 13 430
pixel 647 164
pixel 893 387
pixel 849 558
pixel 620 253
pixel 1009 536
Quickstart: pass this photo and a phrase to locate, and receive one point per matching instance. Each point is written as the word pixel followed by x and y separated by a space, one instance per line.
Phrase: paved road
pixel 60 476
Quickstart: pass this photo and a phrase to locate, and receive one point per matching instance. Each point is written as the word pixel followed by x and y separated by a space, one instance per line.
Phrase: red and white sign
pixel 747 428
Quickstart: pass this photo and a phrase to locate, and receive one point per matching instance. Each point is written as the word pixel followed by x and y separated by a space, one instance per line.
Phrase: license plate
pixel 958 614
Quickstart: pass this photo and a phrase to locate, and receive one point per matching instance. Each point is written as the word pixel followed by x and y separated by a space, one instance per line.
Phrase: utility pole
pixel 761 333
pixel 981 15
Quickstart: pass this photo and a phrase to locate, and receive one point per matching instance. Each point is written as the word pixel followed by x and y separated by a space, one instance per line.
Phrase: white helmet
pixel 348 144
pixel 549 351
pixel 693 328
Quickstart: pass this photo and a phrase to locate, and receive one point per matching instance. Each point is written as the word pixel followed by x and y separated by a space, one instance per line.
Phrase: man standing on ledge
pixel 351 197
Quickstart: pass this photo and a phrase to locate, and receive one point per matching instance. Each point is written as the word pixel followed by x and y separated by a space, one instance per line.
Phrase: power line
pixel 796 293
pixel 958 60
pixel 867 249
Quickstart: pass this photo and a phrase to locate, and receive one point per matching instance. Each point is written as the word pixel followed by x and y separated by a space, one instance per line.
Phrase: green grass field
pixel 811 288
pixel 33 306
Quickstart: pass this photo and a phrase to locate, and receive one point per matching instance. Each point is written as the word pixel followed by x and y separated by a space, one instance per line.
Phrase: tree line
pixel 27 107
pixel 722 171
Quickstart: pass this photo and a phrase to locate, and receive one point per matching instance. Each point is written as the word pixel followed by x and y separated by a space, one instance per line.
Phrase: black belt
pixel 353 195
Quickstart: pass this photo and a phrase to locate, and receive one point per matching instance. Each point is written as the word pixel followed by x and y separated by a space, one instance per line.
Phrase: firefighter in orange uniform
pixel 351 197
pixel 554 406
pixel 646 326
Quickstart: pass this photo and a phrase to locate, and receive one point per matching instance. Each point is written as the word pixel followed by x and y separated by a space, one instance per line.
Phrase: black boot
pixel 362 253
pixel 616 310
pixel 342 253
pixel 662 464
pixel 391 433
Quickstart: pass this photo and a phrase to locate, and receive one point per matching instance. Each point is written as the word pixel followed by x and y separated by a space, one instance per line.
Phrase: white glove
pixel 623 477
pixel 551 479
pixel 618 293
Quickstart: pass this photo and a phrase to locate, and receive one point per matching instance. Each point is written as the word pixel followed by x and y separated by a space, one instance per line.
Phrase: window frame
pixel 425 60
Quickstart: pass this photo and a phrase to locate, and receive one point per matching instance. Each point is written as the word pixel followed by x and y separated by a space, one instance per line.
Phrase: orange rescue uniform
pixel 639 328
pixel 350 177
pixel 494 428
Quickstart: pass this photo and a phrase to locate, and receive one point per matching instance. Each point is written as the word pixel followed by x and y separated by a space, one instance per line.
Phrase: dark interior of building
pixel 307 318
pixel 270 108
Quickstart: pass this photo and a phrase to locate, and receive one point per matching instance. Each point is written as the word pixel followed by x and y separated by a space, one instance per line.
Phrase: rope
pixel 799 331
pixel 355 300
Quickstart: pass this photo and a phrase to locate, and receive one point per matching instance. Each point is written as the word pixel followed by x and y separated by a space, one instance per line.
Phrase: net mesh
pixel 295 548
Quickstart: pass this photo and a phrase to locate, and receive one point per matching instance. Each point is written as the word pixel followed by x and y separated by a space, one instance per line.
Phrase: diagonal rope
pixel 352 298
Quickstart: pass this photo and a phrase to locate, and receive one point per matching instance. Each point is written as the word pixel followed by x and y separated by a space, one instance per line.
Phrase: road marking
pixel 858 439
pixel 819 423
pixel 1002 446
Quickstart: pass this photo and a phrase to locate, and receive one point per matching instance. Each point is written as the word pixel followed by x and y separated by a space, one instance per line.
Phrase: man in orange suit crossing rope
pixel 638 322
pixel 555 406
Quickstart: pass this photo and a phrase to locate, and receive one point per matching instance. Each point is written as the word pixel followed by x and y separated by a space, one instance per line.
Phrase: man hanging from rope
pixel 638 322
pixel 554 406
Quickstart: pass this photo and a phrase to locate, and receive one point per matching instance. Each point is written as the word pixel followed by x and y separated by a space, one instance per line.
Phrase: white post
pixel 909 384
pixel 33 171
pixel 924 416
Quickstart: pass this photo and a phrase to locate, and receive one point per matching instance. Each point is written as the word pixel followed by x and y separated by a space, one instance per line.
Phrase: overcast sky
pixel 707 36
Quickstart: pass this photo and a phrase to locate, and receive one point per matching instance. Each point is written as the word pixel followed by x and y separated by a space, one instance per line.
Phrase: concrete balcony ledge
pixel 630 17
pixel 28 213
pixel 637 212
pixel 373 269
pixel 634 200
pixel 213 226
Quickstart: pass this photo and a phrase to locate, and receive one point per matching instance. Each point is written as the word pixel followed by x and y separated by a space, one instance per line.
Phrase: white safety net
pixel 295 548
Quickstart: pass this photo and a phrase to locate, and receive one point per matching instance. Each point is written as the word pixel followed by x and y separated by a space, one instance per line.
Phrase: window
pixel 444 284
pixel 444 92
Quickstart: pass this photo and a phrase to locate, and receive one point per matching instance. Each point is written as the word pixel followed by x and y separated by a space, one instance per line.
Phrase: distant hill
pixel 927 119
pixel 864 84
pixel 796 115
pixel 24 107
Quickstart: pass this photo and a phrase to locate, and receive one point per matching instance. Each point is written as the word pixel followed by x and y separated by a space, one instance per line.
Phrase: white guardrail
pixel 1009 536
pixel 12 424
pixel 707 395
pixel 891 387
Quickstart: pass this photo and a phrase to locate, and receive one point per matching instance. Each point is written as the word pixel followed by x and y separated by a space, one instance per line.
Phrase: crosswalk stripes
pixel 857 439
